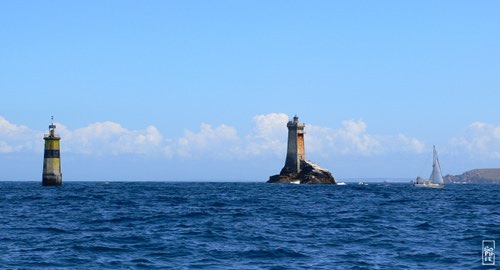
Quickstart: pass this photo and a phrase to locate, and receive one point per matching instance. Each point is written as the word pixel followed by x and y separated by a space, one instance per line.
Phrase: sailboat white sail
pixel 436 178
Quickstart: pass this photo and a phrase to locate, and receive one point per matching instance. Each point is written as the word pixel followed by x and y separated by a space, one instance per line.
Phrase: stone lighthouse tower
pixel 297 169
pixel 52 175
pixel 295 152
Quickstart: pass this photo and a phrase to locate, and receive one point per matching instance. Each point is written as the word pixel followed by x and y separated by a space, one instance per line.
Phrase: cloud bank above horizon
pixel 267 137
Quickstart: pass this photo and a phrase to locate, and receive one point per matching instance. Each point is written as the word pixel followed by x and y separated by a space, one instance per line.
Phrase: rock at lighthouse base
pixel 310 173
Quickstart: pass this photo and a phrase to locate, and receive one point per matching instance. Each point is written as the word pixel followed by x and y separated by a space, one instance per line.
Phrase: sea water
pixel 165 225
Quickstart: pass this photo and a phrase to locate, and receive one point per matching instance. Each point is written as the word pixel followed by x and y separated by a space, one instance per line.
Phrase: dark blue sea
pixel 165 225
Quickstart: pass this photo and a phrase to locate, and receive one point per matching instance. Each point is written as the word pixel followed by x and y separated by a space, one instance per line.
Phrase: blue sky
pixel 201 90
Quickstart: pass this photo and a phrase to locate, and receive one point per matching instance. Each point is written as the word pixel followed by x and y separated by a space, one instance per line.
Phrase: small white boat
pixel 295 182
pixel 341 184
pixel 436 178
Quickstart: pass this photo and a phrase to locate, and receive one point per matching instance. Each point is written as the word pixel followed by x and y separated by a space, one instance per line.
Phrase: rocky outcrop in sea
pixel 310 173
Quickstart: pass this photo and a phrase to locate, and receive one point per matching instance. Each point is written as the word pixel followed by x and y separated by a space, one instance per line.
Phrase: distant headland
pixel 483 176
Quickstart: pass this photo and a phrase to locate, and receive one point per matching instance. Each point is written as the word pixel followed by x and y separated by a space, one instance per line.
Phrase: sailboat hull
pixel 429 185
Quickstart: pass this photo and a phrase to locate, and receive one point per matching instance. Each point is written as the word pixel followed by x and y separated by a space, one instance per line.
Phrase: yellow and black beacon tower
pixel 52 175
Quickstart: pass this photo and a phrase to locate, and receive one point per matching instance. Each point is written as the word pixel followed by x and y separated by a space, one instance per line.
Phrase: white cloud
pixel 270 126
pixel 9 129
pixel 268 137
pixel 480 139
pixel 6 148
pixel 407 144
pixel 352 139
pixel 17 138
pixel 110 138
pixel 221 141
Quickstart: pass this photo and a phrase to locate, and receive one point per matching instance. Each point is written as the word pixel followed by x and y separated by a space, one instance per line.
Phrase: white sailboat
pixel 436 178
